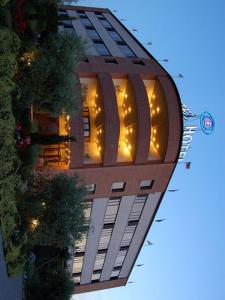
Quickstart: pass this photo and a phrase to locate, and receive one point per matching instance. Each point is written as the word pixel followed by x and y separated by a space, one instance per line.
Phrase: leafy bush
pixel 50 82
pixel 56 203
pixel 3 2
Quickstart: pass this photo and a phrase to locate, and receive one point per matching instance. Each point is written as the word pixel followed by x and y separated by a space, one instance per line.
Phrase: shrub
pixel 50 82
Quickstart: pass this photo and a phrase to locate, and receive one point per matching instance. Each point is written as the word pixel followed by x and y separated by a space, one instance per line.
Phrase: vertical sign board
pixel 188 132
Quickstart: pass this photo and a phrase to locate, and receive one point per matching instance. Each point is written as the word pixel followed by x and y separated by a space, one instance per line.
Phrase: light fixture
pixel 96 95
pixel 126 96
pixel 157 146
pixel 153 139
pixel 125 112
pixel 99 148
pixel 131 130
pixel 129 146
pixel 129 109
pixel 150 104
pixel 158 109
pixel 127 131
pixel 154 130
pixel 153 96
pixel 153 112
pixel 99 109
pixel 100 130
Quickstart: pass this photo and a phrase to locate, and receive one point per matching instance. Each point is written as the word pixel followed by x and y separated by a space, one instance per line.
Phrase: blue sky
pixel 187 259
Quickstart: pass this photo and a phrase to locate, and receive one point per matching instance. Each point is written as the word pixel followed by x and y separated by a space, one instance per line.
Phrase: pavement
pixel 10 288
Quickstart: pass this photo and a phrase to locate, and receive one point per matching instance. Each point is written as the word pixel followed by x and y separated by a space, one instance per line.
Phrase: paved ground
pixel 10 288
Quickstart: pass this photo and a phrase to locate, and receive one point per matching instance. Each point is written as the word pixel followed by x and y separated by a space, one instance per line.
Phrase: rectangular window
pixel 99 261
pixel 115 273
pixel 93 34
pixel 111 61
pixel 105 238
pixel 146 184
pixel 96 276
pixel 138 62
pixel 118 186
pixel 106 24
pixel 126 50
pixel 114 35
pixel 86 22
pixel 128 235
pixel 111 210
pixel 91 188
pixel 120 258
pixel 137 208
pixel 78 264
pixel 81 14
pixel 101 49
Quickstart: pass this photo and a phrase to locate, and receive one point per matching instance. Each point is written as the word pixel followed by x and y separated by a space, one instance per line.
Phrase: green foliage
pixel 53 282
pixel 50 82
pixel 29 158
pixel 9 41
pixel 13 239
pixel 37 138
pixel 3 2
pixel 56 202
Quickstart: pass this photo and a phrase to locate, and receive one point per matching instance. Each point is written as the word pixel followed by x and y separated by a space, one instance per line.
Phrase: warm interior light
pixel 153 112
pixel 100 130
pixel 126 140
pixel 131 130
pixel 129 109
pixel 99 148
pixel 158 109
pixel 157 146
pixel 129 147
pixel 125 95
pixel 99 109
pixel 96 95
pixel 153 139
pixel 125 112
pixel 127 131
pixel 154 130
pixel 153 96
pixel 150 104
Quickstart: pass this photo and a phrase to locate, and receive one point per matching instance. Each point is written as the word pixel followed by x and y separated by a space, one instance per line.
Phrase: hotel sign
pixel 188 132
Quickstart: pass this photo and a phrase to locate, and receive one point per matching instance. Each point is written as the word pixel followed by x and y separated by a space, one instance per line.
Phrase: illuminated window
pixel 118 186
pixel 146 184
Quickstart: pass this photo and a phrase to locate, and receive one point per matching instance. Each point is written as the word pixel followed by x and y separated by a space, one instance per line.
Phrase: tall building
pixel 128 141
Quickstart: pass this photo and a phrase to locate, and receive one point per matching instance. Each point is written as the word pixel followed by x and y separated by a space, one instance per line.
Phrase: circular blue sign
pixel 207 123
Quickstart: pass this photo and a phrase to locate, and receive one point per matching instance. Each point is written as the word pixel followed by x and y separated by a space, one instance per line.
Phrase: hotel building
pixel 128 135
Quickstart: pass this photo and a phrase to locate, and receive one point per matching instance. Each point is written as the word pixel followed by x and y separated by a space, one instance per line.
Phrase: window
pixel 86 22
pixel 115 36
pixel 146 184
pixel 118 186
pixel 137 208
pixel 120 258
pixel 86 124
pixel 111 61
pixel 105 238
pixel 128 235
pixel 106 24
pixel 81 14
pixel 93 34
pixel 126 50
pixel 99 261
pixel 101 48
pixel 91 188
pixel 111 210
pixel 138 62
pixel 78 264
pixel 67 23
pixel 115 273
pixel 96 276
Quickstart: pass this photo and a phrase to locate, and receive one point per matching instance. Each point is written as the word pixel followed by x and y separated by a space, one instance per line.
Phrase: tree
pixel 54 210
pixel 50 81
pixel 37 138
pixel 53 282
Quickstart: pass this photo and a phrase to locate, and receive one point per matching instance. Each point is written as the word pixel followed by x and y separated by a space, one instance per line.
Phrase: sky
pixel 187 259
